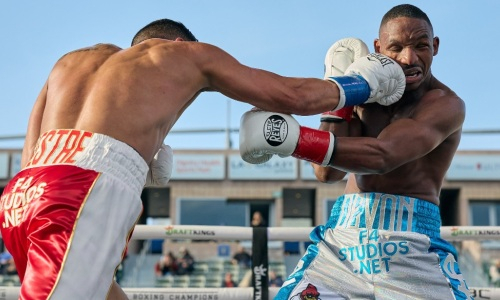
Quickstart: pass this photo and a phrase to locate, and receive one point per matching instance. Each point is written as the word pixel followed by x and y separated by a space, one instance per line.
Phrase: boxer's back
pixel 131 95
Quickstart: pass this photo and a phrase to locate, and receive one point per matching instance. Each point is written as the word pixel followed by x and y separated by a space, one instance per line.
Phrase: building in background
pixel 216 187
pixel 228 190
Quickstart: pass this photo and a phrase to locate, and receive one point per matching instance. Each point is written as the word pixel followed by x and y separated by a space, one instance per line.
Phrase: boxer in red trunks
pixel 67 216
pixel 95 139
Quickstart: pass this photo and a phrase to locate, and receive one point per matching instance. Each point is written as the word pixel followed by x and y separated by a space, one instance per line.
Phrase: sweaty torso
pixel 133 95
pixel 421 178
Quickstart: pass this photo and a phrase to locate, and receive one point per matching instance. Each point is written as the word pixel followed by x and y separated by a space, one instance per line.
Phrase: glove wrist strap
pixel 355 89
pixel 338 116
pixel 314 145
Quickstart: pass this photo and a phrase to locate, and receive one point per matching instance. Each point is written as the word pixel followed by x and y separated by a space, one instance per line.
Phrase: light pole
pixel 228 124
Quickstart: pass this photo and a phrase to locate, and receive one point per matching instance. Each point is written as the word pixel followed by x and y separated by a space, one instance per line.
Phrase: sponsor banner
pixel 4 165
pixel 198 167
pixel 15 163
pixel 306 171
pixel 277 168
pixel 489 293
pixel 174 294
pixel 453 233
pixel 201 232
pixel 9 293
pixel 191 232
pixel 474 167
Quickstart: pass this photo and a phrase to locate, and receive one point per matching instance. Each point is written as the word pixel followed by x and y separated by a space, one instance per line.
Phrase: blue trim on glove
pixel 356 89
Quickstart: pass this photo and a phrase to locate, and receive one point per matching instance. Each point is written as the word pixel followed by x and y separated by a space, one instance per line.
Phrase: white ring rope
pixel 12 293
pixel 300 234
pixel 296 234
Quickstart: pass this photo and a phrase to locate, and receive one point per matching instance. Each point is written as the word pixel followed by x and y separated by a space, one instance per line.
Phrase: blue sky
pixel 286 37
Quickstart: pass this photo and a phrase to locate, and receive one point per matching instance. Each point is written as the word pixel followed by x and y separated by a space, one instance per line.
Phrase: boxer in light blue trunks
pixel 382 240
pixel 378 246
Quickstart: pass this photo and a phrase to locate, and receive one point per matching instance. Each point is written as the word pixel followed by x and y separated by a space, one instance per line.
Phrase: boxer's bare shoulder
pixel 101 48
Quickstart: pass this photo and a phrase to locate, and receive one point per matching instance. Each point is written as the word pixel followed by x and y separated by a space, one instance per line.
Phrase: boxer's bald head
pixel 163 29
pixel 405 10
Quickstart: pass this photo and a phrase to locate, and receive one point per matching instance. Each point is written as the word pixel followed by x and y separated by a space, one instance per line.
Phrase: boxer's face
pixel 411 43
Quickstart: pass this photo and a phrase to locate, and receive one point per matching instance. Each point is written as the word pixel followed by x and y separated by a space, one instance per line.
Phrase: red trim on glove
pixel 313 145
pixel 344 113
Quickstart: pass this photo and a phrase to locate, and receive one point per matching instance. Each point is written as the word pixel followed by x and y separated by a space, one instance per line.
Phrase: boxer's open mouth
pixel 413 75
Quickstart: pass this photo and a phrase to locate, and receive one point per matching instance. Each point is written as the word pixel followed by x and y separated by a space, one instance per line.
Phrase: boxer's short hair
pixel 405 10
pixel 163 29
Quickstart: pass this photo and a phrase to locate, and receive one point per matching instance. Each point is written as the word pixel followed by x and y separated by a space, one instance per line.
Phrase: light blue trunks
pixel 378 246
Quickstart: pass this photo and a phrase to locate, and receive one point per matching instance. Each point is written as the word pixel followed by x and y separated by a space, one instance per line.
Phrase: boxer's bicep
pixel 437 119
pixel 264 89
pixel 403 141
pixel 34 124
pixel 411 138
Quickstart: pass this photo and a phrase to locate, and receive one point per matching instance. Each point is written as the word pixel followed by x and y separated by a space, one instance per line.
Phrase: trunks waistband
pixel 92 151
pixel 387 212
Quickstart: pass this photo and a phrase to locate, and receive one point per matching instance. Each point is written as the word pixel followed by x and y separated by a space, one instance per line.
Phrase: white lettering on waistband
pixel 355 207
pixel 59 147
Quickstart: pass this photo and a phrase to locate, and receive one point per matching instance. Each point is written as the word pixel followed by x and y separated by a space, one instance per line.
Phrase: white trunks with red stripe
pixel 67 217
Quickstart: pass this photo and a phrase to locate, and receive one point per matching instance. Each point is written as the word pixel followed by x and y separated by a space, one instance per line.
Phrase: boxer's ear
pixel 376 45
pixel 435 45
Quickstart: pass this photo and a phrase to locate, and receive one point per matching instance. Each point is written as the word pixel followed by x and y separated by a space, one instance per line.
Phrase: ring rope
pixel 200 232
pixel 299 234
pixel 12 293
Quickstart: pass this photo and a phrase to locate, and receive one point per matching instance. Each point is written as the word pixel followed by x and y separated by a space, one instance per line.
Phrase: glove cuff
pixel 339 115
pixel 314 145
pixel 354 90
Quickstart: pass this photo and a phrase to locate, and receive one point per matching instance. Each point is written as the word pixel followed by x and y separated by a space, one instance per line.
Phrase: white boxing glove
pixel 264 134
pixel 338 58
pixel 372 78
pixel 385 76
pixel 160 169
pixel 342 54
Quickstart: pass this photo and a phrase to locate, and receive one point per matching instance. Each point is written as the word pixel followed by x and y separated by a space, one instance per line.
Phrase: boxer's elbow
pixel 379 168
pixel 330 178
pixel 327 174
pixel 384 161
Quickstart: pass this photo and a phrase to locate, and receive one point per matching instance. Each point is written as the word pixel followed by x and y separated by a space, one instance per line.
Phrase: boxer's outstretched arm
pixel 374 78
pixel 34 124
pixel 261 88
